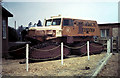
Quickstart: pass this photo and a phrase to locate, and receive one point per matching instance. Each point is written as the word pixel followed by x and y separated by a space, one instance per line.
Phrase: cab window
pixel 67 22
pixel 56 22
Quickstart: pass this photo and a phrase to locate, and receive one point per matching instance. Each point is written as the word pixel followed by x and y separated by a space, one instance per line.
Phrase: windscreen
pixel 53 22
pixel 48 22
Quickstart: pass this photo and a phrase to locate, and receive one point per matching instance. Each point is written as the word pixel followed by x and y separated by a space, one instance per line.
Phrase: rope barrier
pixel 47 50
pixel 56 48
pixel 95 46
pixel 83 54
pixel 75 47
pixel 17 49
pixel 9 63
pixel 94 51
pixel 46 58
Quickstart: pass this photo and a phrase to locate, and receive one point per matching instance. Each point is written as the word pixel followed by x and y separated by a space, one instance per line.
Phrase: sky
pixel 29 11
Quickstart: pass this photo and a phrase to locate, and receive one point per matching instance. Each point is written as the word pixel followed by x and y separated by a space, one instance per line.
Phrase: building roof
pixel 109 24
pixel 6 13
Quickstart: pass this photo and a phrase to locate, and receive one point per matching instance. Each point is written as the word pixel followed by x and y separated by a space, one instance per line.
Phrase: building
pixel 0 33
pixel 5 14
pixel 110 30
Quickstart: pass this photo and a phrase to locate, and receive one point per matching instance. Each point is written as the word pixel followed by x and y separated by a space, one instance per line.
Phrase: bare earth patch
pixel 112 67
pixel 74 66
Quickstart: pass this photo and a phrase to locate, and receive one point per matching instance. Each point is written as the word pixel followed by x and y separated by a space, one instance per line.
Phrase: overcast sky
pixel 25 12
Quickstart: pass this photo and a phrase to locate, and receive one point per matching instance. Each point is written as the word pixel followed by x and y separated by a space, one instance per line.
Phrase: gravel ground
pixel 74 66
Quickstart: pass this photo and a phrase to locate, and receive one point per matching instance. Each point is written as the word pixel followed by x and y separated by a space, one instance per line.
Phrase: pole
pixel 88 50
pixel 15 25
pixel 117 44
pixel 112 44
pixel 87 67
pixel 27 57
pixel 62 53
pixel 108 46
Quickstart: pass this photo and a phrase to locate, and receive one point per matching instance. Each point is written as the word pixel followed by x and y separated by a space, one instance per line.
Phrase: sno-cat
pixel 74 33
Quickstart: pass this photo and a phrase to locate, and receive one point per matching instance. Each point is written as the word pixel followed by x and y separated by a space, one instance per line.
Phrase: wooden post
pixel 117 44
pixel 1 40
pixel 112 44
pixel 27 57
pixel 108 46
pixel 88 50
pixel 62 53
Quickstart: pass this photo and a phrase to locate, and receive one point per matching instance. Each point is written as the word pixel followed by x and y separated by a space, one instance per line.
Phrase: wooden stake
pixel 88 50
pixel 62 53
pixel 27 57
pixel 108 46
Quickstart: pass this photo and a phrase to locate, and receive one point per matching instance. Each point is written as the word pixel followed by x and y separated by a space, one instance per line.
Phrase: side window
pixel 80 24
pixel 67 22
pixel 4 29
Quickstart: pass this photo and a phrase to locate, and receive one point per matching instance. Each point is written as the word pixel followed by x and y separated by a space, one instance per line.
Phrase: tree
pixel 35 25
pixel 39 23
pixel 19 30
pixel 30 24
pixel 23 34
pixel 12 34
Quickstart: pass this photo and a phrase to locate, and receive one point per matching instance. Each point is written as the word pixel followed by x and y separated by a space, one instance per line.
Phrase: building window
pixel 104 32
pixel 4 29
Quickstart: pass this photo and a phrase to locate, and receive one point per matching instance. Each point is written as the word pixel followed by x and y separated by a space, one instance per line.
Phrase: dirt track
pixel 74 66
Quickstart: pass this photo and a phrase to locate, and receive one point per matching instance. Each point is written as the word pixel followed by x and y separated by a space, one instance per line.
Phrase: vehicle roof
pixel 56 17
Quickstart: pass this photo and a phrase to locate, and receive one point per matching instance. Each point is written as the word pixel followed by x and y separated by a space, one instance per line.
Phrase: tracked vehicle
pixel 72 32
